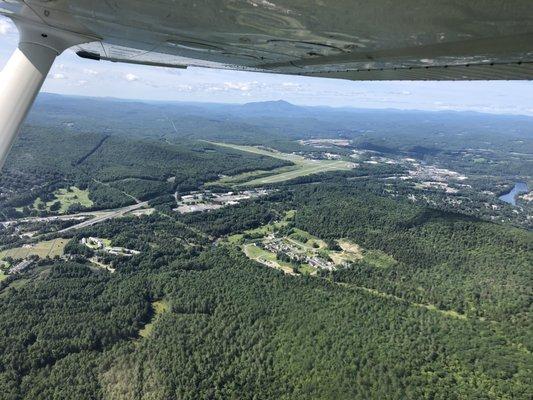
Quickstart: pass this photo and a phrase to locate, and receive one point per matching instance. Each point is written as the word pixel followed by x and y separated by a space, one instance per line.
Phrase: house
pixel 20 267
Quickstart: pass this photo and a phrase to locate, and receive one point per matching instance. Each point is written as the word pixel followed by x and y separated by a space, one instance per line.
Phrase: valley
pixel 354 255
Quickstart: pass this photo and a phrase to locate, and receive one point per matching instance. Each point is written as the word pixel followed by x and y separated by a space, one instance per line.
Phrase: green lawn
pixel 258 254
pixel 302 167
pixel 306 239
pixel 66 198
pixel 263 230
pixel 3 276
pixel 236 239
pixel 289 215
pixel 306 269
pixel 50 248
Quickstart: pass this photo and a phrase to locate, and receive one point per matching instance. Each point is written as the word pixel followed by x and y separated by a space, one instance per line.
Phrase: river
pixel 519 188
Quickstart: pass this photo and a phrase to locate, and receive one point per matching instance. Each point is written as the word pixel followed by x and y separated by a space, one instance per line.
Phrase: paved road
pixel 105 215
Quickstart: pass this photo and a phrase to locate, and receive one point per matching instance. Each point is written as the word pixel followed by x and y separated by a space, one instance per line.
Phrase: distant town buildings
pixel 93 243
pixel 98 244
pixel 207 200
pixel 294 253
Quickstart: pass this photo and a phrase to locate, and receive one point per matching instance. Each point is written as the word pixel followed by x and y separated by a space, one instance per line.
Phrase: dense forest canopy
pixel 437 305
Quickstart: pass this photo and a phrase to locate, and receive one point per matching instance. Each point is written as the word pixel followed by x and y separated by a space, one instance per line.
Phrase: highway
pixel 98 216
pixel 105 215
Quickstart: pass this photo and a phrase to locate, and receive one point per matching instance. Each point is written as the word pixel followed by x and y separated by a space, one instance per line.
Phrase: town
pixel 207 200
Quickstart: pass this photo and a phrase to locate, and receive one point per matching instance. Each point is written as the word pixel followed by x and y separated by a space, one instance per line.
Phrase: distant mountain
pixel 275 104
pixel 273 107
pixel 278 119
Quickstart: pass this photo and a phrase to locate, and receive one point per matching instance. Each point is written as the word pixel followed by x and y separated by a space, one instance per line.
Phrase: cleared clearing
pixel 50 248
pixel 350 247
pixel 267 258
pixel 158 307
pixel 252 242
pixel 66 197
pixel 306 239
pixel 302 167
pixel 379 259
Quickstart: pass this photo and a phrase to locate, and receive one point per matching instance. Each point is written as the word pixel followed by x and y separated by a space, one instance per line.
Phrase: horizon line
pixel 333 108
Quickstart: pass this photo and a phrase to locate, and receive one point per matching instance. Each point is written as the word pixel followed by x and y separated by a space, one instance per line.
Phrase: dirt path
pixel 431 307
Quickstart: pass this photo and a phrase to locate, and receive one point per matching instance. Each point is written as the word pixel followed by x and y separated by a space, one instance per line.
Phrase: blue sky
pixel 75 76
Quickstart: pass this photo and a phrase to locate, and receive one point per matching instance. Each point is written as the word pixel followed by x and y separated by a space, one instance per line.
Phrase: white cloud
pixel 291 87
pixel 131 77
pixel 6 27
pixel 88 71
pixel 183 88
pixel 59 76
pixel 400 93
pixel 242 86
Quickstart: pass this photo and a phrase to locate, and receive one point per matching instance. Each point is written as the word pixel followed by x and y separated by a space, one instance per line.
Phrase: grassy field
pixel 49 248
pixel 66 198
pixel 306 269
pixel 308 240
pixel 348 246
pixel 158 307
pixel 2 276
pixel 302 167
pixel 266 257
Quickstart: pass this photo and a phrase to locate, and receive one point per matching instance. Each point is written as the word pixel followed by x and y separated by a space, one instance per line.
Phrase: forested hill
pixel 398 276
pixel 448 319
pixel 45 159
pixel 448 260
pixel 256 121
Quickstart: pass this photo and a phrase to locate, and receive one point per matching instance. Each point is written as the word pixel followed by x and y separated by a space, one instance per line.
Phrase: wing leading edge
pixel 347 39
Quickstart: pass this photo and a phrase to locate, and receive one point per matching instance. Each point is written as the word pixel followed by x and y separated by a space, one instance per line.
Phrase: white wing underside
pixel 357 40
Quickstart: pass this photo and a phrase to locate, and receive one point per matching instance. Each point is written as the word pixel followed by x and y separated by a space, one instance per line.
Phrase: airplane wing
pixel 348 39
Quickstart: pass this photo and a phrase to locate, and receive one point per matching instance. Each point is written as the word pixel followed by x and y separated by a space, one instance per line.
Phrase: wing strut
pixel 20 82
pixel 24 74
